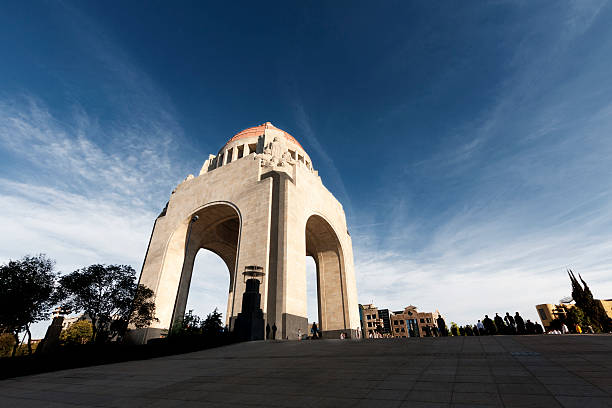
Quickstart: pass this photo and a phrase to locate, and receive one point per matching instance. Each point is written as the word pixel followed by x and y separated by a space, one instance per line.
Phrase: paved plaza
pixel 500 371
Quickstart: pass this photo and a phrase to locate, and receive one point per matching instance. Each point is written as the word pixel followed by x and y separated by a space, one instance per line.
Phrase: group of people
pixel 504 325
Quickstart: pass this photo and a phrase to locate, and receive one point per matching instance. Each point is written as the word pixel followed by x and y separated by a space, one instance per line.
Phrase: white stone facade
pixel 258 202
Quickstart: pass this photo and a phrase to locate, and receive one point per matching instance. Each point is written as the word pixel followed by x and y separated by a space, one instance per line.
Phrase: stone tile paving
pixel 499 371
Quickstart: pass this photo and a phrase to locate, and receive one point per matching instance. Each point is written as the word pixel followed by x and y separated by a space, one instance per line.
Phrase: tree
pixel 7 341
pixel 591 307
pixel 189 325
pixel 79 332
pixel 27 294
pixel 141 313
pixel 212 326
pixel 575 316
pixel 110 296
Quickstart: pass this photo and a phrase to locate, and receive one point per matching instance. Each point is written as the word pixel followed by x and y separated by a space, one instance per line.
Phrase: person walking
pixel 314 330
pixel 442 326
pixel 274 329
pixel 520 323
pixel 489 325
pixel 268 331
pixel 499 323
pixel 510 323
pixel 529 327
pixel 481 328
pixel 564 329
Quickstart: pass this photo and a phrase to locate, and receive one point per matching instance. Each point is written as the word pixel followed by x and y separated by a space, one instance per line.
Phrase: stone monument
pixel 259 201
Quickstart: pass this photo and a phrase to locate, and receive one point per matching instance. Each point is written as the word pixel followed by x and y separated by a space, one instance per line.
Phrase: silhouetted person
pixel 499 322
pixel 481 329
pixel 510 323
pixel 539 329
pixel 315 330
pixel 461 331
pixel 530 327
pixel 520 323
pixel 442 326
pixel 274 329
pixel 468 330
pixel 489 326
pixel 268 331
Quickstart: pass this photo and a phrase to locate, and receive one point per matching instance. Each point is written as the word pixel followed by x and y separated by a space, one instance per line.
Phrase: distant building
pixel 370 319
pixel 405 323
pixel 547 312
pixel 385 316
pixel 607 305
pixel 69 321
pixel 412 323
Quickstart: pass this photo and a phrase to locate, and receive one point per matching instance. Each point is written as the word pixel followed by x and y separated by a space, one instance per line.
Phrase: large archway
pixel 323 245
pixel 215 228
pixel 209 286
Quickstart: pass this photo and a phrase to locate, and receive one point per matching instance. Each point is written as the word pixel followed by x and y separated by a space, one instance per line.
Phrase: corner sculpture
pixel 259 201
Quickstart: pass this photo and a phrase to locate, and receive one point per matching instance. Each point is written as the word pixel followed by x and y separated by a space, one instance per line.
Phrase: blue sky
pixel 469 144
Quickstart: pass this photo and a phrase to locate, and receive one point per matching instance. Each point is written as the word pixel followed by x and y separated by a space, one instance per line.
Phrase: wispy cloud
pixel 304 123
pixel 524 190
pixel 86 188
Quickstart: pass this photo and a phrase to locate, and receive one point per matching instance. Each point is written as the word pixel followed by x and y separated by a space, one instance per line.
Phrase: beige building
pixel 258 201
pixel 548 312
pixel 412 323
pixel 607 305
pixel 370 320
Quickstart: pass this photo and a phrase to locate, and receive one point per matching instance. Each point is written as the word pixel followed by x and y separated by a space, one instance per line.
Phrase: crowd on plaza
pixel 507 325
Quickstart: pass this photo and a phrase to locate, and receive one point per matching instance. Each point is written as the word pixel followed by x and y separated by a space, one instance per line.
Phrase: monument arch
pixel 323 245
pixel 258 201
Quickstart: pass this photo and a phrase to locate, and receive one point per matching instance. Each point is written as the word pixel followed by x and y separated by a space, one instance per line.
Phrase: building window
pixel 369 324
pixel 403 331
pixel 396 330
pixel 542 314
pixel 422 320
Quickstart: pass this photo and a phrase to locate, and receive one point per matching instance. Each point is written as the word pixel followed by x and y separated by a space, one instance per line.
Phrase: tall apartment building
pixel 370 319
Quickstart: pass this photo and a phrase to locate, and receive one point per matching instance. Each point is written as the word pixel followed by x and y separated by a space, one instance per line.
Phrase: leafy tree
pixel 141 313
pixel 575 316
pixel 27 289
pixel 110 296
pixel 79 332
pixel 212 326
pixel 7 341
pixel 189 325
